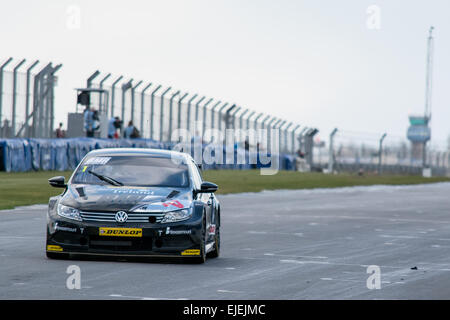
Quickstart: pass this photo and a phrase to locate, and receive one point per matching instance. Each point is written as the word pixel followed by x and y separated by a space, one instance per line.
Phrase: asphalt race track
pixel 305 244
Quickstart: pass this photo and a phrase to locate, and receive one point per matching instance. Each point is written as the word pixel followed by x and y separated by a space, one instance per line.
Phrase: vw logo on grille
pixel 121 216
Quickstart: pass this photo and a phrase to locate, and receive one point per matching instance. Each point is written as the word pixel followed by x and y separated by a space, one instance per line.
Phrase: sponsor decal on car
pixel 120 232
pixel 168 231
pixel 132 191
pixel 98 160
pixel 54 248
pixel 212 230
pixel 191 252
pixel 174 203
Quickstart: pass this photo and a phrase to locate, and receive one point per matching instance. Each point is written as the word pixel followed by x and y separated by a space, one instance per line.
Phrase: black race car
pixel 134 202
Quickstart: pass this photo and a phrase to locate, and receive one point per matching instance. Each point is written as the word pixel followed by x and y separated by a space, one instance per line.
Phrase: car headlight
pixel 178 215
pixel 68 212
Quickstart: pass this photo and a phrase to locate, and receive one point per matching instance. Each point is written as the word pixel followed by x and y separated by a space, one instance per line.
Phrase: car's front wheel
pixel 202 257
pixel 216 252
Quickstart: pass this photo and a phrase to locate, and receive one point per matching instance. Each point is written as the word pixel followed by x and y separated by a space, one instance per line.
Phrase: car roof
pixel 140 151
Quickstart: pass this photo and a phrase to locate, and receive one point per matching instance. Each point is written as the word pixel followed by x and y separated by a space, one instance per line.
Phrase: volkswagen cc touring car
pixel 134 202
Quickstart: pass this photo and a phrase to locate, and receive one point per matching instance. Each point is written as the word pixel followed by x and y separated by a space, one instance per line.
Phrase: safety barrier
pixel 20 155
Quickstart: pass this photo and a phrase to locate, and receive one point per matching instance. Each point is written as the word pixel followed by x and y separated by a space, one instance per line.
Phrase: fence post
pixel 133 90
pixel 52 101
pixel 197 106
pixel 281 131
pixel 142 107
pixel 27 98
pixel 91 78
pixel 213 110
pixel 152 110
pixel 2 67
pixel 161 115
pixel 285 136
pixel 233 116
pixel 248 119
pixel 100 100
pixel 255 122
pixel 204 115
pixel 220 114
pixel 241 119
pixel 380 150
pixel 188 116
pixel 14 97
pixel 125 87
pixel 38 95
pixel 171 113
pixel 331 151
pixel 293 138
pixel 179 111
pixel 113 89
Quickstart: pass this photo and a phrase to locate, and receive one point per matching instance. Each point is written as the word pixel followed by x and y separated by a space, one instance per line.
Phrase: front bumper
pixel 179 239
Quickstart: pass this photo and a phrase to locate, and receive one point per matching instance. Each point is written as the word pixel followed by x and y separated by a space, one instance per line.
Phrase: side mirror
pixel 57 182
pixel 208 187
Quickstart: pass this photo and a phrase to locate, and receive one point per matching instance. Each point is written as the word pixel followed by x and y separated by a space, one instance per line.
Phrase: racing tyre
pixel 202 257
pixel 216 252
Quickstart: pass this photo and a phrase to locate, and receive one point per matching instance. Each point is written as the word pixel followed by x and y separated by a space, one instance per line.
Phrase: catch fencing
pixel 27 99
pixel 373 153
pixel 157 111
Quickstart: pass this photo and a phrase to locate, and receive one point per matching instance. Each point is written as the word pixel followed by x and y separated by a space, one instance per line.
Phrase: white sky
pixel 312 62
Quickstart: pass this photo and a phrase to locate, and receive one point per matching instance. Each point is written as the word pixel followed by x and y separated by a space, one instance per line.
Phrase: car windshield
pixel 143 171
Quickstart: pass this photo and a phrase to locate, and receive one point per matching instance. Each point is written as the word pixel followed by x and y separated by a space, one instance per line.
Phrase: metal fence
pixel 26 99
pixel 377 153
pixel 157 111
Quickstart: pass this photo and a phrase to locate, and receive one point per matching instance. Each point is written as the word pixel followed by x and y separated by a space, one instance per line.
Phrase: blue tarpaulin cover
pixel 64 154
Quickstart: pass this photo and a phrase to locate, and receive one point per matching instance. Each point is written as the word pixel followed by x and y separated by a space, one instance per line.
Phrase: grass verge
pixel 20 189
